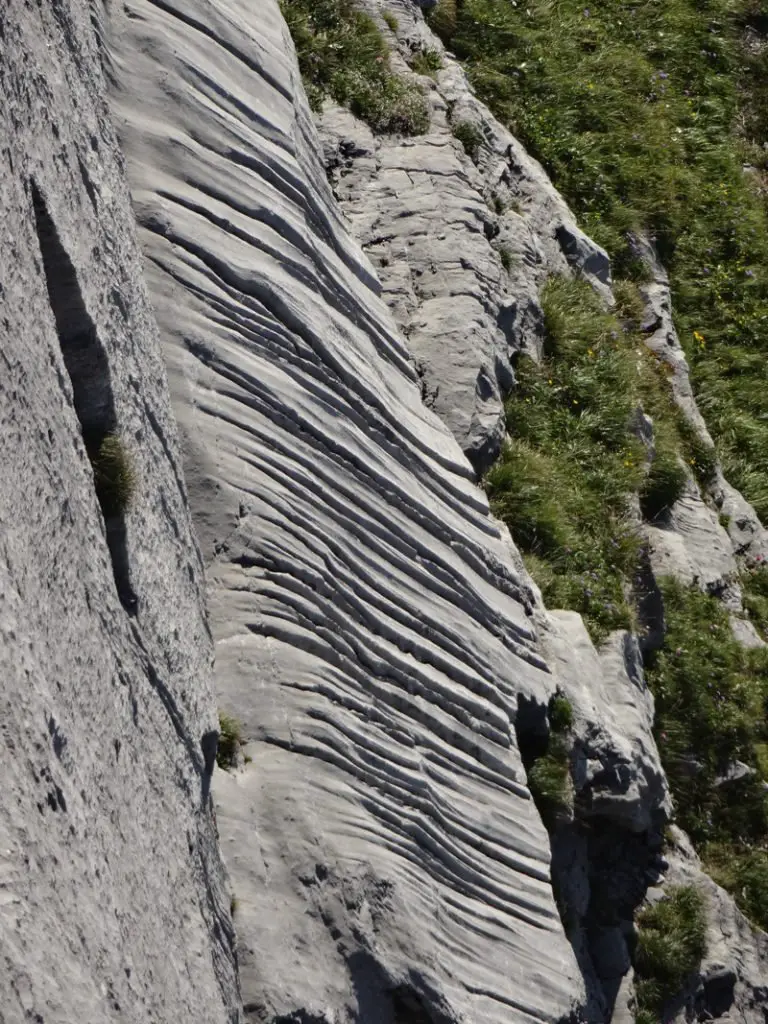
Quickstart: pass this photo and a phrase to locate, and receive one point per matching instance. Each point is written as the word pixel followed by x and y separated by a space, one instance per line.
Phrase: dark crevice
pixel 88 183
pixel 600 870
pixel 88 368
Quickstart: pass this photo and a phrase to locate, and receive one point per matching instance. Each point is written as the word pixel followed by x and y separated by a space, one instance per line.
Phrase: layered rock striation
pixel 373 634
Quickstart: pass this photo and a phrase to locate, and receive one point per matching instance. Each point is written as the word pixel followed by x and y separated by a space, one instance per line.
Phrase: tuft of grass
pixel 426 62
pixel 507 257
pixel 471 138
pixel 342 54
pixel 549 781
pixel 629 303
pixel 711 699
pixel 755 595
pixel 563 479
pixel 645 116
pixel 230 741
pixel 560 714
pixel 114 475
pixel 671 943
pixel 665 481
pixel 743 871
pixel 390 20
pixel 443 18
pixel 549 774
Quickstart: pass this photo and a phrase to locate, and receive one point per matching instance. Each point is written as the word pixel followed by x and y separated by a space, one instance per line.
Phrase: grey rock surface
pixel 113 901
pixel 617 770
pixel 604 857
pixel 461 248
pixel 373 634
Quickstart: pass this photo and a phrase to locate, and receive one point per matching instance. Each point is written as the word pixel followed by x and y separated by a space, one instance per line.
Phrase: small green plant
pixel 230 741
pixel 390 21
pixel 507 257
pixel 114 475
pixel 342 54
pixel 498 206
pixel 755 591
pixel 665 481
pixel 426 62
pixel 560 714
pixel 629 302
pixel 549 781
pixel 671 943
pixel 744 872
pixel 711 696
pixel 471 138
pixel 442 19
pixel 549 775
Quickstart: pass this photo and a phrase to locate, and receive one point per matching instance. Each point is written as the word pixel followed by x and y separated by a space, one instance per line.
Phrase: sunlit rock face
pixel 113 902
pixel 372 633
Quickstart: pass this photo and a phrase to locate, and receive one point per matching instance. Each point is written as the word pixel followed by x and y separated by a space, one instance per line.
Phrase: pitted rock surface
pixel 617 769
pixel 113 902
pixel 461 250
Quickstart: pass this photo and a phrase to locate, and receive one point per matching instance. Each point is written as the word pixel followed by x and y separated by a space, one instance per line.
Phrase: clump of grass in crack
pixel 507 257
pixel 114 475
pixel 566 476
pixel 342 54
pixel 711 697
pixel 560 714
pixel 442 18
pixel 471 138
pixel 391 21
pixel 742 871
pixel 549 781
pixel 645 116
pixel 549 776
pixel 230 741
pixel 563 479
pixel 629 303
pixel 665 481
pixel 671 943
pixel 426 62
pixel 755 597
pixel 701 457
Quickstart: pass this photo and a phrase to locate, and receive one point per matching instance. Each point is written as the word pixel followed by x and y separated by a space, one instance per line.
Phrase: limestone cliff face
pixel 337 324
pixel 113 903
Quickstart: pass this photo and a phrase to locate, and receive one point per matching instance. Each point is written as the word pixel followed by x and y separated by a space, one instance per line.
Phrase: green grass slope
pixel 646 115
